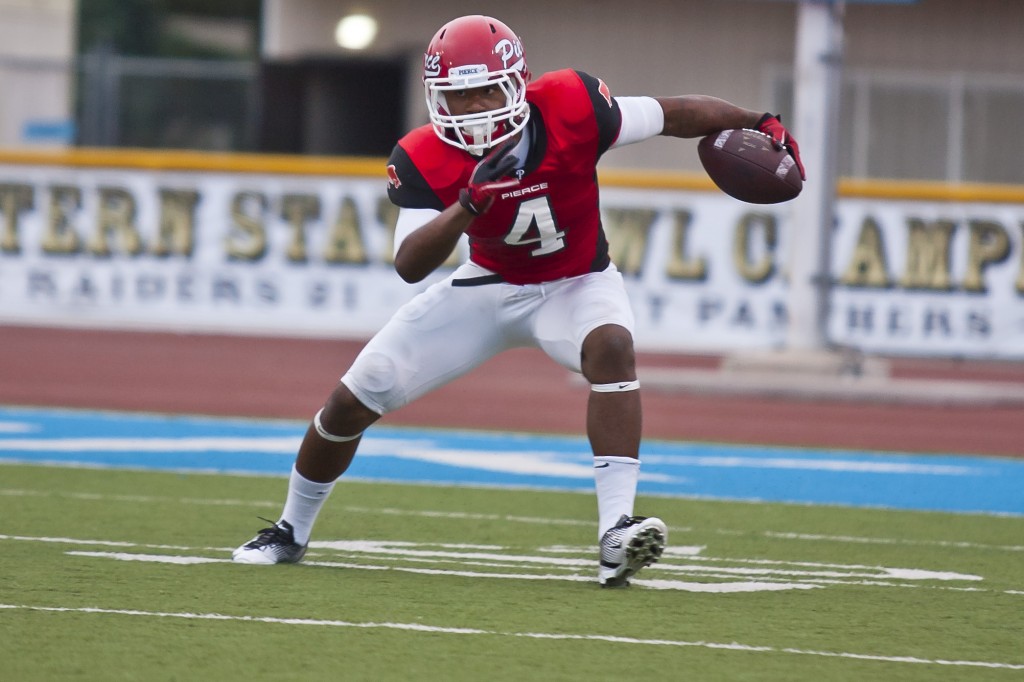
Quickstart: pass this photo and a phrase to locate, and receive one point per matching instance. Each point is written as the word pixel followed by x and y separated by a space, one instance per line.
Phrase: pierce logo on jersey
pixel 525 190
pixel 393 180
pixel 605 91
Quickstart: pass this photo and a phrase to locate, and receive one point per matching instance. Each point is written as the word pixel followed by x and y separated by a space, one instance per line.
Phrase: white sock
pixel 615 479
pixel 305 498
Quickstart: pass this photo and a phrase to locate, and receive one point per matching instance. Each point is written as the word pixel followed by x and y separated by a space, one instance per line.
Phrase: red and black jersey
pixel 549 227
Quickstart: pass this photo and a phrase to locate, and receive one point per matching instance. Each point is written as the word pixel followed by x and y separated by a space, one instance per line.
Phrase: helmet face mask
pixel 473 52
pixel 479 131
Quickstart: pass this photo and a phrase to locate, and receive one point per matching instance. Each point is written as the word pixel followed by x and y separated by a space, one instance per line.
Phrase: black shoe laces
pixel 270 535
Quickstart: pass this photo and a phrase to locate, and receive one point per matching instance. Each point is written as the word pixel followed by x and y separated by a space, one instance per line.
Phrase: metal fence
pixel 108 100
pixel 954 127
pixel 167 103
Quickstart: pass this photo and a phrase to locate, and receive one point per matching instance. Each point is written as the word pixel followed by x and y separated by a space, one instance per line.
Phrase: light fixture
pixel 355 31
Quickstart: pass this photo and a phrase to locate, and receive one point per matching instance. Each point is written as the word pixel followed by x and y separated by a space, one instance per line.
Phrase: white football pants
pixel 448 330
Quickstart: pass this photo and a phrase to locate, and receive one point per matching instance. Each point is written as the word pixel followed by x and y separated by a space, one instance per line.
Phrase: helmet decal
pixel 605 91
pixel 431 65
pixel 509 50
pixel 393 180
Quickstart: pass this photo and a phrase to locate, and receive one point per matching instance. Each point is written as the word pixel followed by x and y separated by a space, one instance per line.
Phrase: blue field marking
pixel 951 482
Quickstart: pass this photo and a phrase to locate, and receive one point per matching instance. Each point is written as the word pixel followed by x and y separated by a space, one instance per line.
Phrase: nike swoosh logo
pixel 622 386
pixel 602 466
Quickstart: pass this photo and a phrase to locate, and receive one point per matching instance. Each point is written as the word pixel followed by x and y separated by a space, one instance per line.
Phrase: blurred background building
pixel 931 90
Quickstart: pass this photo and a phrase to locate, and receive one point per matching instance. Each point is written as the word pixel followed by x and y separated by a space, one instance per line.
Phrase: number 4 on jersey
pixel 536 213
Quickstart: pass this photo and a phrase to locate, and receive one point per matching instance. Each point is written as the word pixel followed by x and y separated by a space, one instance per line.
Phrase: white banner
pixel 257 253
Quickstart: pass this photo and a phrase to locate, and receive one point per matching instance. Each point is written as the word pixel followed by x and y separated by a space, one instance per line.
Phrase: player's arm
pixel 421 248
pixel 427 231
pixel 696 116
pixel 700 115
pixel 684 116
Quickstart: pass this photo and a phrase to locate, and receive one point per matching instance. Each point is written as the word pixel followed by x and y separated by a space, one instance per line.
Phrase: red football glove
pixel 488 179
pixel 771 125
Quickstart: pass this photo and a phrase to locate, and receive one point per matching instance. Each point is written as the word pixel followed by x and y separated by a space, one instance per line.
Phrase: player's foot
pixel 628 546
pixel 273 545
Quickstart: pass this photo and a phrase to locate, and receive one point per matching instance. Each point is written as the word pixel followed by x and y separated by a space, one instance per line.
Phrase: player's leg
pixel 614 420
pixel 614 415
pixel 587 326
pixel 438 336
pixel 325 453
pixel 628 542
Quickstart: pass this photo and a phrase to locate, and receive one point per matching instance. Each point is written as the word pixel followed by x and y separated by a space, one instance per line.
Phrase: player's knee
pixel 343 417
pixel 376 373
pixel 608 355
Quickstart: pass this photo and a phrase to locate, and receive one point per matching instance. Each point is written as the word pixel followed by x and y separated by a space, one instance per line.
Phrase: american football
pixel 746 165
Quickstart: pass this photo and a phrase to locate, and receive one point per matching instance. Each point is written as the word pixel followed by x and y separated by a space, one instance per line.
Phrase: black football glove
pixel 489 178
pixel 771 125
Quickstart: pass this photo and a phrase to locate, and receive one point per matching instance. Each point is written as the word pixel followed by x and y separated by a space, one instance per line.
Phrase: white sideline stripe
pixel 763 583
pixel 814 464
pixel 12 492
pixel 408 549
pixel 147 499
pixel 472 516
pixel 443 551
pixel 852 539
pixel 108 543
pixel 436 629
pixel 714 588
pixel 153 558
pixel 766 580
pixel 782 535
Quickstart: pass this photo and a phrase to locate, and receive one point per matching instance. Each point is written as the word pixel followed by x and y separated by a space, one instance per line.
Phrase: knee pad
pixel 617 387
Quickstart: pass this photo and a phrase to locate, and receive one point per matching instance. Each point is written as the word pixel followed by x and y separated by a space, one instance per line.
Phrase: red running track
pixel 519 390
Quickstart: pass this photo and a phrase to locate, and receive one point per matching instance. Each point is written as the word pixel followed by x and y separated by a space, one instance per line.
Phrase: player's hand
pixel 489 178
pixel 771 125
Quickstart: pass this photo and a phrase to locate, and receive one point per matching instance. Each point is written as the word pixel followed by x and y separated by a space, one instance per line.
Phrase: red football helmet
pixel 471 52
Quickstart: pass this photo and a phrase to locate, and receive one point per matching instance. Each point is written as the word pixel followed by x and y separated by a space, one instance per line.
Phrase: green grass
pixel 527 594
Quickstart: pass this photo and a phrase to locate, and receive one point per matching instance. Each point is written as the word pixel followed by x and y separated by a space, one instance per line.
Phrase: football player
pixel 509 162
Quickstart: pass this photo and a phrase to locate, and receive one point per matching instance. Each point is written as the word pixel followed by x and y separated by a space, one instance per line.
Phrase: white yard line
pixel 447 630
pixel 721 580
pixel 780 535
pixel 732 587
pixel 715 574
pixel 851 539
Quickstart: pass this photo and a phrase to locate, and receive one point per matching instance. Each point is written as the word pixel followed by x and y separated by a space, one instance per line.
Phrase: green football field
pixel 122 575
